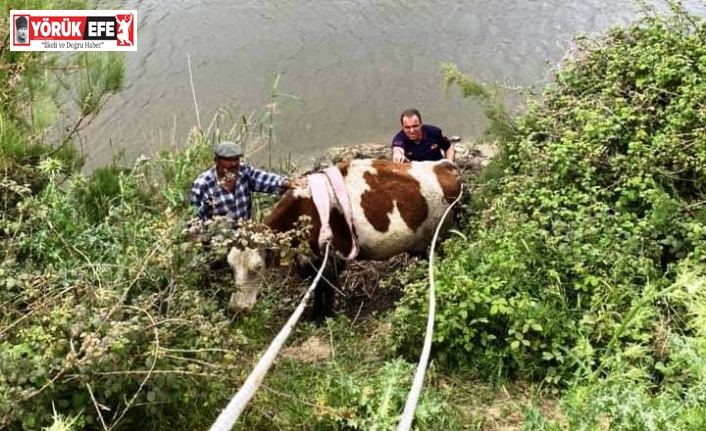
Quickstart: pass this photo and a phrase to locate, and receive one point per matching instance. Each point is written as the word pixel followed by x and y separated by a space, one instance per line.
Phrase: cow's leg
pixel 323 301
pixel 325 293
pixel 325 290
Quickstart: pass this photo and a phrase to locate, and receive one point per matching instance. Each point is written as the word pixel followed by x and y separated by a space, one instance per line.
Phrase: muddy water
pixel 349 66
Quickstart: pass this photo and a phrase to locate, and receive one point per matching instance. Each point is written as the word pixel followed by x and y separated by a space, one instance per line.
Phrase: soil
pixel 360 293
pixel 313 349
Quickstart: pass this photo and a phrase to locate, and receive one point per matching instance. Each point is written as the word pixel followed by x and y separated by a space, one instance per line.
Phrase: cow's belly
pixel 399 238
pixel 385 248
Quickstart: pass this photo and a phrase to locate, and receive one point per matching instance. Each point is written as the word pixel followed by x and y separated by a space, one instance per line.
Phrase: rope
pixel 235 407
pixel 411 404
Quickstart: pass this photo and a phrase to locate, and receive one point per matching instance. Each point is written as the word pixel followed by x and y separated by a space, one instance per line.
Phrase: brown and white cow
pixel 395 208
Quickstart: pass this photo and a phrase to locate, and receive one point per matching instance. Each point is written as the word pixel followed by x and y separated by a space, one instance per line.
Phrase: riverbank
pixel 471 157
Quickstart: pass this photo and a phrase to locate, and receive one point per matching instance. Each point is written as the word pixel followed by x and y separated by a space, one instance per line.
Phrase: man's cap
pixel 228 150
pixel 21 22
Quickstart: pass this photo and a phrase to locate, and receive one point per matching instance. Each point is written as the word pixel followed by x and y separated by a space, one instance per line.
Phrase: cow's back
pixel 396 207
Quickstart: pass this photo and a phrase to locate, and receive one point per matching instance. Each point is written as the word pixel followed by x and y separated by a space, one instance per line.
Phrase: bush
pixel 601 195
pixel 109 187
pixel 103 312
pixel 35 123
pixel 628 397
pixel 105 319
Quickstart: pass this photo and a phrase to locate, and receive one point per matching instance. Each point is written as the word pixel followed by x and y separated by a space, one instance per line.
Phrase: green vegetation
pixel 583 264
pixel 578 282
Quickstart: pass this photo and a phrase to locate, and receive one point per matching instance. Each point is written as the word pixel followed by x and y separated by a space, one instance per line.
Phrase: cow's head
pixel 248 264
pixel 255 252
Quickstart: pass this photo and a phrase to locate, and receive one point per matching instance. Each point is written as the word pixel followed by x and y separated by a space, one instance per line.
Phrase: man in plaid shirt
pixel 227 187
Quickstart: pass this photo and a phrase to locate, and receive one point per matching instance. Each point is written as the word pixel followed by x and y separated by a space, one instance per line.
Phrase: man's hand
pixel 228 180
pixel 398 155
pixel 450 154
pixel 295 183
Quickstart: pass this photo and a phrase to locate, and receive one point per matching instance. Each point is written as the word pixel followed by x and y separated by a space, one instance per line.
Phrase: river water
pixel 350 66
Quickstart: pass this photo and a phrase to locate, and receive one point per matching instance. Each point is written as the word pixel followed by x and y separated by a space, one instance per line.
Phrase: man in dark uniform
pixel 420 142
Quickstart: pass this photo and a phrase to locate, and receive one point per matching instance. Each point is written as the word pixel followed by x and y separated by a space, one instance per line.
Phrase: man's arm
pixel 450 153
pixel 262 181
pixel 197 198
pixel 448 146
pixel 397 146
pixel 268 182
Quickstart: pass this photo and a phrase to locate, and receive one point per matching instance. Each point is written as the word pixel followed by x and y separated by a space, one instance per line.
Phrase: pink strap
pixel 319 194
pixel 339 190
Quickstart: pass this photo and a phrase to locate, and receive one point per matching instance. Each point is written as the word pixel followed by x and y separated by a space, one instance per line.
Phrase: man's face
pixel 22 33
pixel 227 166
pixel 412 127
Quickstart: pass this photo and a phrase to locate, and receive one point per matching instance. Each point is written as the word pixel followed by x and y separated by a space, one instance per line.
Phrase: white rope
pixel 411 404
pixel 235 407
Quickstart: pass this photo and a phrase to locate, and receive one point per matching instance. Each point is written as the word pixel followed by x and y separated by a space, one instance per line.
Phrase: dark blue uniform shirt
pixel 429 148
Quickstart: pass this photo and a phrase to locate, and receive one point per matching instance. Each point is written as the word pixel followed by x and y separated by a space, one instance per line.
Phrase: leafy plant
pixel 601 195
pixel 35 123
pixel 376 402
pixel 627 396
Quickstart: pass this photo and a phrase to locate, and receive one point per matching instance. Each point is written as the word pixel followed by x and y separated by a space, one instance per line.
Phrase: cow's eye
pixel 258 266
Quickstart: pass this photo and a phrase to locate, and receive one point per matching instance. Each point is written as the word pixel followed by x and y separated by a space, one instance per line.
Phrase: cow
pixel 375 208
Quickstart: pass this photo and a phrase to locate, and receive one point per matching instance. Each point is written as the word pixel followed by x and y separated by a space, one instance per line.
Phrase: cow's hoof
pixel 238 311
pixel 319 318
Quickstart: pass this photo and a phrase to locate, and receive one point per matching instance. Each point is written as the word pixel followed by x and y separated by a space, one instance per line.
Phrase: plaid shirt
pixel 210 199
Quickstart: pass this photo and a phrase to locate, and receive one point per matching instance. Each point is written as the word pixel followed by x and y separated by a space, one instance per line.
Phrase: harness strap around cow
pixel 320 196
pixel 339 190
